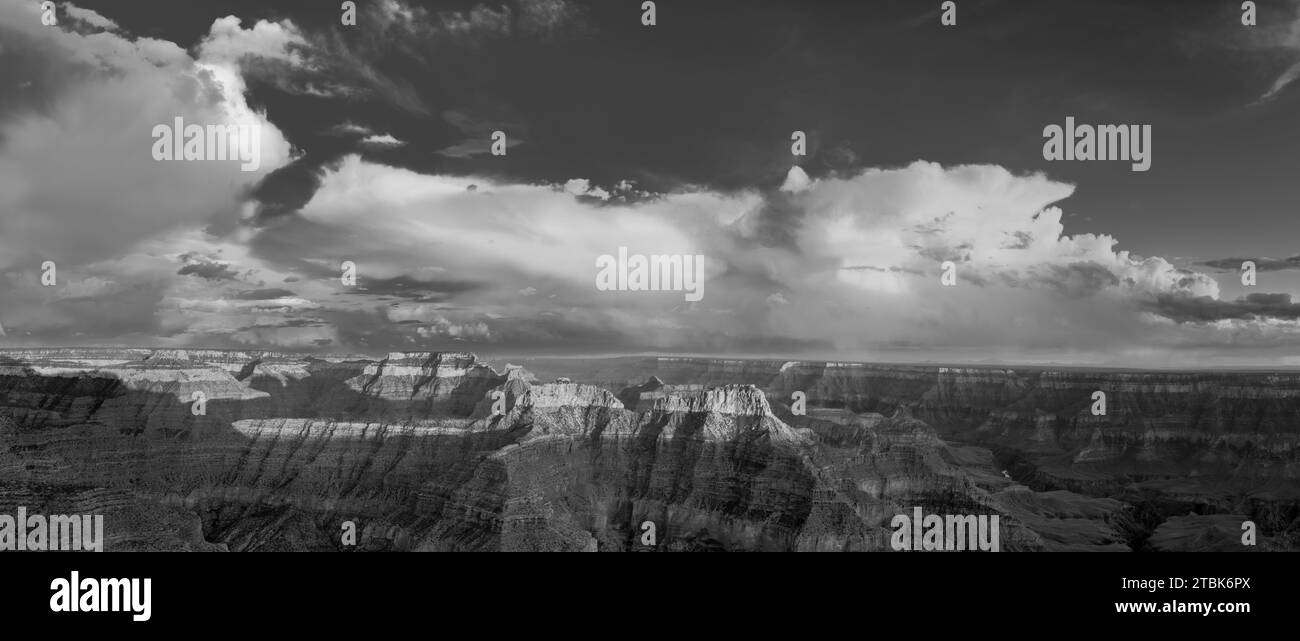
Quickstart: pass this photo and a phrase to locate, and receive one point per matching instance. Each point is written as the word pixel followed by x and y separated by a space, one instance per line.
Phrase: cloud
pixel 471 148
pixel 1283 39
pixel 796 180
pixel 548 18
pixel 478 134
pixel 1203 309
pixel 473 331
pixel 64 161
pixel 229 43
pixel 544 19
pixel 480 20
pixel 89 17
pixel 497 229
pixel 323 62
pixel 79 186
pixel 204 267
pixel 847 263
pixel 385 140
pixel 264 294
pixel 1261 264
pixel 351 128
pixel 583 187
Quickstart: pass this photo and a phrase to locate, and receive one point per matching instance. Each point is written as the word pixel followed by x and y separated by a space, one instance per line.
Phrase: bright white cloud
pixel 77 180
pixel 227 42
pixel 796 180
pixel 385 140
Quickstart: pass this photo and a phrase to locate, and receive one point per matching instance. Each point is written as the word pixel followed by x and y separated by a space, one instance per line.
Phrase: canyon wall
pixel 428 451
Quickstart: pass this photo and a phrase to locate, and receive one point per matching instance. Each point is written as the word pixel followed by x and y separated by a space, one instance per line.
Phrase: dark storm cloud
pixel 206 268
pixel 1261 264
pixel 289 188
pixel 1203 309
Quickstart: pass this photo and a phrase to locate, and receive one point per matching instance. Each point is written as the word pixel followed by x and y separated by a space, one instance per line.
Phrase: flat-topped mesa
pixel 239 363
pixel 73 358
pixel 547 398
pixel 177 372
pixel 452 381
pixel 403 374
pixel 726 414
pixel 732 400
pixel 171 372
pixel 577 395
pixel 446 361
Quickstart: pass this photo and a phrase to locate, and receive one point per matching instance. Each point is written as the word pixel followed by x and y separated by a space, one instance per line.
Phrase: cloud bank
pixel 847 263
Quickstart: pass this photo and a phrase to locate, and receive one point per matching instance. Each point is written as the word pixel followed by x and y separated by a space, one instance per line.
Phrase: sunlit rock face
pixel 441 451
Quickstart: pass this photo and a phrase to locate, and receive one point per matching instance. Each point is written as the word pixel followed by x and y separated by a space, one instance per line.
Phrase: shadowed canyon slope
pixel 428 451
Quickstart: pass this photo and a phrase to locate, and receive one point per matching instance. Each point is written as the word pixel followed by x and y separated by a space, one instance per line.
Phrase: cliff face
pixel 1169 443
pixel 441 452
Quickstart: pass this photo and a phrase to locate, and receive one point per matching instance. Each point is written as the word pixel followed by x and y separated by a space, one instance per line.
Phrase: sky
pixel 924 144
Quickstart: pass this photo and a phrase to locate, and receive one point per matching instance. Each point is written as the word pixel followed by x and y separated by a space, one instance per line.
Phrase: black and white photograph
pixel 895 277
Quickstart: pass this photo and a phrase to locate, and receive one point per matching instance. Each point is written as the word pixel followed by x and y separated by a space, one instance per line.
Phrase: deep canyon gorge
pixel 446 452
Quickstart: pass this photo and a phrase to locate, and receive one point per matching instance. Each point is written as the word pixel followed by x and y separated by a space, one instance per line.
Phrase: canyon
pixel 416 452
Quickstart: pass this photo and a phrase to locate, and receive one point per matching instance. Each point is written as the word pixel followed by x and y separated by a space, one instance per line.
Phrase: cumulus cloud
pixel 583 187
pixel 846 264
pixel 228 42
pixel 77 181
pixel 490 232
pixel 79 186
